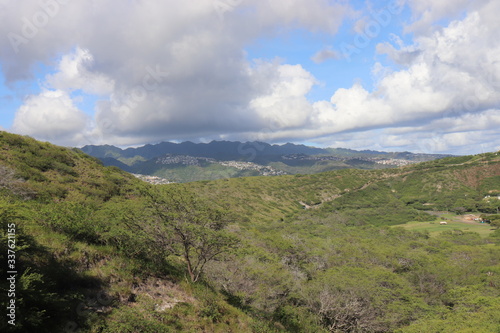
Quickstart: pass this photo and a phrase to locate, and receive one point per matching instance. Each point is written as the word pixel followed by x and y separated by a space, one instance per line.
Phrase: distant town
pixel 198 161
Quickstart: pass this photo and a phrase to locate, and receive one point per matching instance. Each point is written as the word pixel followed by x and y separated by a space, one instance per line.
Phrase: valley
pixel 347 250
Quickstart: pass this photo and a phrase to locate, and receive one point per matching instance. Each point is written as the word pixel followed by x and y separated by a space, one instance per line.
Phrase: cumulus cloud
pixel 74 74
pixel 176 70
pixel 110 49
pixel 51 116
pixel 463 62
pixel 447 90
pixel 285 105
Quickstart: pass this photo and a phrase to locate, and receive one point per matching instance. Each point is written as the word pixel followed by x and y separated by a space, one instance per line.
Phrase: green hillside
pixel 81 266
pixel 377 197
pixel 97 250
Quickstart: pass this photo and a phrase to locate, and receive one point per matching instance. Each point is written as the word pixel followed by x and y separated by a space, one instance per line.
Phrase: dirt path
pixel 469 219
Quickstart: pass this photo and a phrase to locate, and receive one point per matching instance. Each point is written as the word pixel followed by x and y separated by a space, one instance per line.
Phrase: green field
pixel 434 228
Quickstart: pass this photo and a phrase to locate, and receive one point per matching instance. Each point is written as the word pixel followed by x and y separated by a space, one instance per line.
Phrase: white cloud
pixel 50 116
pixel 178 70
pixel 110 48
pixel 74 74
pixel 285 105
pixel 447 90
pixel 450 76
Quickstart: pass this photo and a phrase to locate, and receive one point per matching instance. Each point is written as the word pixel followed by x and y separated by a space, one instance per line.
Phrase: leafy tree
pixel 182 224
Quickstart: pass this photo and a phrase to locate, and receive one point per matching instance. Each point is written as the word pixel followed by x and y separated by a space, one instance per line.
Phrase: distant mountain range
pixel 221 150
pixel 188 161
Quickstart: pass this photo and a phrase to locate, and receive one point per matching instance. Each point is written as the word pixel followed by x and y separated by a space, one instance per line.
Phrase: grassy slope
pixel 195 173
pixel 403 192
pixel 67 281
pixel 311 167
pixel 272 198
pixel 329 243
pixel 269 271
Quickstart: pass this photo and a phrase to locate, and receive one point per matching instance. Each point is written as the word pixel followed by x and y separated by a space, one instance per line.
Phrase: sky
pixel 400 75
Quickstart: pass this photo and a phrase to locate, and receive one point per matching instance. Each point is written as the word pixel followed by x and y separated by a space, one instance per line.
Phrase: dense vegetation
pixel 97 250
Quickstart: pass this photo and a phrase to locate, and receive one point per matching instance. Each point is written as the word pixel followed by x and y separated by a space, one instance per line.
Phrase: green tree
pixel 182 224
pixel 494 220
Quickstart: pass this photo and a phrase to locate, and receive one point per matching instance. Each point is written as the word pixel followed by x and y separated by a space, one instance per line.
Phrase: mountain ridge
pixel 287 158
pixel 238 148
pixel 213 149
